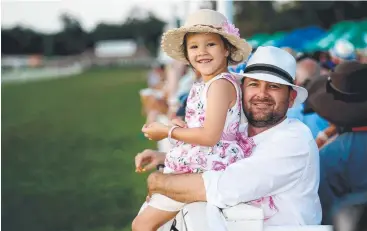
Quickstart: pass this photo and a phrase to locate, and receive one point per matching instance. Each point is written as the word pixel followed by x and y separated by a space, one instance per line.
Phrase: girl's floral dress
pixel 233 146
pixel 191 158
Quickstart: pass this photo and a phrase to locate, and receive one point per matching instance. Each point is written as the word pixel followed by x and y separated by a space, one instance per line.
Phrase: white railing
pixel 42 73
pixel 238 218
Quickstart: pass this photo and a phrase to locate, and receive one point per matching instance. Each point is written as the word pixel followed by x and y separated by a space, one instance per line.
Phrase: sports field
pixel 68 148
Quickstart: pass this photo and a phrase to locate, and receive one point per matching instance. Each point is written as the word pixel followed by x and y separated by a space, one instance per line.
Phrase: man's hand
pixel 153 181
pixel 186 188
pixel 148 160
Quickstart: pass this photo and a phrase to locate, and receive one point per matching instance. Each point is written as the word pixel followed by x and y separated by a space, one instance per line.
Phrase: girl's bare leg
pixel 151 219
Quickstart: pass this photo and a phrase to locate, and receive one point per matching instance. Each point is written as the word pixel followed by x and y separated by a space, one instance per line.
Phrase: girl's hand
pixel 155 131
pixel 179 122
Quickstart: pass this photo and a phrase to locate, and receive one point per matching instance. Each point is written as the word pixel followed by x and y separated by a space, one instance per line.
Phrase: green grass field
pixel 68 148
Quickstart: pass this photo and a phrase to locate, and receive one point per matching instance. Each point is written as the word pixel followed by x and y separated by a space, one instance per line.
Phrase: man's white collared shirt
pixel 284 164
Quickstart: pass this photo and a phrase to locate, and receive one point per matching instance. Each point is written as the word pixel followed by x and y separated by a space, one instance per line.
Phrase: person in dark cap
pixel 342 100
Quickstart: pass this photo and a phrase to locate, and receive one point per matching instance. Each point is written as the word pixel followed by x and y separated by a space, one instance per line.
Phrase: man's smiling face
pixel 266 103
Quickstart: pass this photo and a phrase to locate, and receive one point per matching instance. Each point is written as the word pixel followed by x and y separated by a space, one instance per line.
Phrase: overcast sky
pixel 43 15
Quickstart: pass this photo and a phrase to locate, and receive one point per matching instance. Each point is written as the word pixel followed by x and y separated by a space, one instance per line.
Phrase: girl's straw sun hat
pixel 205 21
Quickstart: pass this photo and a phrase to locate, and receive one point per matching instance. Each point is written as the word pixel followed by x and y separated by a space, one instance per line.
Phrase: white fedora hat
pixel 274 65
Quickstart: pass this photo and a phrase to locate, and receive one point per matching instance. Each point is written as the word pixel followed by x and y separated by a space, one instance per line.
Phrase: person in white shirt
pixel 284 164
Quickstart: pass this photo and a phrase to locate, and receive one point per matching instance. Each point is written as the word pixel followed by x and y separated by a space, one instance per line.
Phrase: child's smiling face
pixel 207 53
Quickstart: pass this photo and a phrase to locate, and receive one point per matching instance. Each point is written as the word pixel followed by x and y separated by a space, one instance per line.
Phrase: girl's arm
pixel 221 96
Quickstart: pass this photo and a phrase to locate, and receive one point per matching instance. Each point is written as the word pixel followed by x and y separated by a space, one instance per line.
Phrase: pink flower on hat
pixel 230 29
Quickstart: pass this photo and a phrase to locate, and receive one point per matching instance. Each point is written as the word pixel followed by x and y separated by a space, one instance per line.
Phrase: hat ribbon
pixel 269 69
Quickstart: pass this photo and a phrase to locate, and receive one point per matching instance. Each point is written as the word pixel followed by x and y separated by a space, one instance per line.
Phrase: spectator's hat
pixel 343 49
pixel 274 65
pixel 341 98
pixel 205 21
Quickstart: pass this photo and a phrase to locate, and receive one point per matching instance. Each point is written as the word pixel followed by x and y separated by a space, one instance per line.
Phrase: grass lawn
pixel 68 148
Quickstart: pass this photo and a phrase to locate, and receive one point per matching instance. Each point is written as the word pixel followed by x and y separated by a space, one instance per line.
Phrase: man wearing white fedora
pixel 284 165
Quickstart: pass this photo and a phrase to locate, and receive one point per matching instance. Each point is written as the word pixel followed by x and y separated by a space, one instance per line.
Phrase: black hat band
pixel 269 69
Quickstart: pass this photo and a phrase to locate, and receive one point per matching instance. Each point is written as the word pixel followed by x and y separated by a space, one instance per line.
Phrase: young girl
pixel 211 140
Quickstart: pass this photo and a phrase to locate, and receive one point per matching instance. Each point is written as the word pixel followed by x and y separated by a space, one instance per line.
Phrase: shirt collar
pixel 261 136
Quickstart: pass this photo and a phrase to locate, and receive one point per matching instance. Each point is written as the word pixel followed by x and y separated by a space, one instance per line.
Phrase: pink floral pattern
pixel 267 204
pixel 218 166
pixel 184 158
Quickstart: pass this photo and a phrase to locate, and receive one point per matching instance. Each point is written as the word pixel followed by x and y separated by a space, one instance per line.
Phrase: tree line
pixel 73 39
pixel 250 17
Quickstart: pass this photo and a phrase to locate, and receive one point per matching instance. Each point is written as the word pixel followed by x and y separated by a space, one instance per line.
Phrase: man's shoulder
pixel 296 126
pixel 294 138
pixel 293 131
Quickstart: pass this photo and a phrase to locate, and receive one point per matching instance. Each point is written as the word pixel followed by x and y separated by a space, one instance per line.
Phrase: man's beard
pixel 267 119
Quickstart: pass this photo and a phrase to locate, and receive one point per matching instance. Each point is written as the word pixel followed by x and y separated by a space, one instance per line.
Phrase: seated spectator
pixel 307 69
pixel 342 100
pixel 175 71
pixel 324 59
pixel 326 68
pixel 342 51
pixel 165 100
pixel 155 90
pixel 362 56
pixel 156 77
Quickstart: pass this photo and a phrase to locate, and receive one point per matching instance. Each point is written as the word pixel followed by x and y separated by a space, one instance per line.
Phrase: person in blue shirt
pixel 342 100
pixel 307 69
